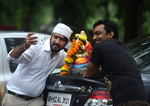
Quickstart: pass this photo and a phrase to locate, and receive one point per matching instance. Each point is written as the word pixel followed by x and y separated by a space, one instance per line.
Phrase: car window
pixel 10 44
pixel 137 47
pixel 143 61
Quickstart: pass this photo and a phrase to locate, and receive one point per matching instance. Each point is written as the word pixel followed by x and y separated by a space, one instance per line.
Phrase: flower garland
pixel 78 54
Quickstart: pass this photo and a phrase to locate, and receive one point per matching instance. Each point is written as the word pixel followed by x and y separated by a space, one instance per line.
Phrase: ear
pixel 111 34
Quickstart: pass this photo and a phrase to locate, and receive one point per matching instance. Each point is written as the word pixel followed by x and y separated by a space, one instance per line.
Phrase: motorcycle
pixel 76 91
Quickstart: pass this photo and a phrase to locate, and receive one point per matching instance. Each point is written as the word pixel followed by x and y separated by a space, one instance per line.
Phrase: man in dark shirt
pixel 127 87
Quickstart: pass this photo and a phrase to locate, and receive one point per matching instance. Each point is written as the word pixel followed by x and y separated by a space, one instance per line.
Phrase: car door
pixel 4 65
pixel 143 62
pixel 6 68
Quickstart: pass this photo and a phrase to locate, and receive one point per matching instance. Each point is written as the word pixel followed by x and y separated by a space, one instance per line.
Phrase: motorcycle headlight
pixel 98 102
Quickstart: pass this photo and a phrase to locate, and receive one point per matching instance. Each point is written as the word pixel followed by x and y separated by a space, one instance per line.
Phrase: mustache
pixel 55 44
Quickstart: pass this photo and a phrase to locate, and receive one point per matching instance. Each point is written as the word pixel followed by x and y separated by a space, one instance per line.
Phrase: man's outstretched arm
pixel 16 52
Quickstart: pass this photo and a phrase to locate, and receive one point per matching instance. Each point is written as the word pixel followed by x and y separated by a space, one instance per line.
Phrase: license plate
pixel 58 99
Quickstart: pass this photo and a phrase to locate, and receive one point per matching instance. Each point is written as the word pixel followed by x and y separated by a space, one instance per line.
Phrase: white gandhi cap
pixel 63 29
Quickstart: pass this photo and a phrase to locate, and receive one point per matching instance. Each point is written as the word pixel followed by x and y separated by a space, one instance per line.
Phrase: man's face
pixel 100 34
pixel 57 42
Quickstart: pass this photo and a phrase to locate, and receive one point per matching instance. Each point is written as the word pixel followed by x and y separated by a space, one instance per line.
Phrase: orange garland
pixel 77 45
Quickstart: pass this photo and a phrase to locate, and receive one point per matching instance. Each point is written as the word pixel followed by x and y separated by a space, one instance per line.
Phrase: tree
pixel 24 14
pixel 74 12
pixel 132 11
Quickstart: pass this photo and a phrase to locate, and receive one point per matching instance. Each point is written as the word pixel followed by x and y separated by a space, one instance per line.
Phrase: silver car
pixel 9 40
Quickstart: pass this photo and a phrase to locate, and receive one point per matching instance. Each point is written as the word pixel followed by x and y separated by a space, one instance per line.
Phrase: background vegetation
pixel 132 16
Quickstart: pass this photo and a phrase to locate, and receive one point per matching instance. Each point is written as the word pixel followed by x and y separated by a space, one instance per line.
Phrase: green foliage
pixel 15 13
pixel 44 16
pixel 31 14
pixel 106 10
pixel 74 12
pixel 147 23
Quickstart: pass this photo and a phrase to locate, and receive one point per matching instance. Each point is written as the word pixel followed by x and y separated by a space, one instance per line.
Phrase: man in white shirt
pixel 35 63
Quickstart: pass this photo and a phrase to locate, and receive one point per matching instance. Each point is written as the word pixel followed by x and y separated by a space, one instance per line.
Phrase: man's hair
pixel 109 27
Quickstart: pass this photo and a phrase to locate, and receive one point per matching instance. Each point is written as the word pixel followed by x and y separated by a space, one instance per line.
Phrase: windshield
pixel 141 52
pixel 143 60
